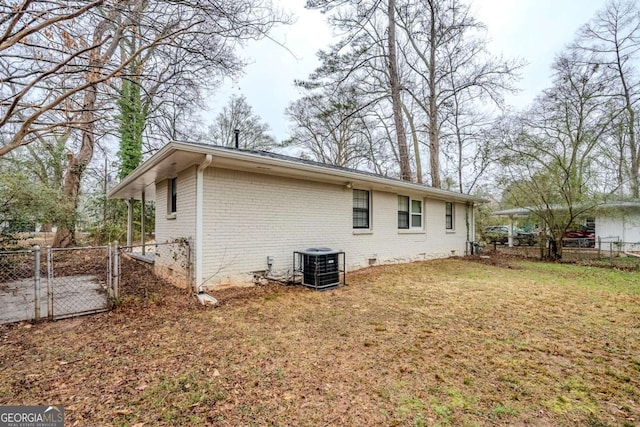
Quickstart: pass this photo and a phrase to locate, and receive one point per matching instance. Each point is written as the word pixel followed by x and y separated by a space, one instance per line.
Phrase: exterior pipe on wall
pixel 199 218
pixel 473 221
pixel 470 218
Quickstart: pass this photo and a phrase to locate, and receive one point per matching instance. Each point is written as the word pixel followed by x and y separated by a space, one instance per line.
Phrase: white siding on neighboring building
pixel 249 216
pixel 618 225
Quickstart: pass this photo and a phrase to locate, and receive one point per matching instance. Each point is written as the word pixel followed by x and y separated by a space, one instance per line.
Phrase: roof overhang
pixel 178 156
pixel 630 205
pixel 514 213
pixel 603 207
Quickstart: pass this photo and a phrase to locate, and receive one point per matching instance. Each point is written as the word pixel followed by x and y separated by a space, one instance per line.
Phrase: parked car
pixel 581 237
pixel 500 234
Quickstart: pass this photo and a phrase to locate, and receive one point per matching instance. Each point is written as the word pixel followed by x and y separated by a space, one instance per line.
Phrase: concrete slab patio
pixel 72 295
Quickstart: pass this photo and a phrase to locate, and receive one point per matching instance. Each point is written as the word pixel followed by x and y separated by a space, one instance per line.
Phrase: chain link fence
pixel 619 254
pixel 54 283
pixel 19 274
pixel 599 252
pixel 143 267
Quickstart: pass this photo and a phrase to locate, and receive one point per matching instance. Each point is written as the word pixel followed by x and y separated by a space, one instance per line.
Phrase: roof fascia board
pixel 144 167
pixel 173 146
pixel 347 175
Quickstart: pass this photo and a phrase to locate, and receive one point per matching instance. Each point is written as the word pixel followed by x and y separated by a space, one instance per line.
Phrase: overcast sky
pixel 535 30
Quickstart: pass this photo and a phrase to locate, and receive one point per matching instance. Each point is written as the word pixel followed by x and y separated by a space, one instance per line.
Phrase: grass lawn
pixel 447 342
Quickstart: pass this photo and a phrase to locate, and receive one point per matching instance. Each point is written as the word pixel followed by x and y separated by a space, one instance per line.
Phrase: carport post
pixel 36 259
pixel 142 223
pixel 129 222
pixel 510 231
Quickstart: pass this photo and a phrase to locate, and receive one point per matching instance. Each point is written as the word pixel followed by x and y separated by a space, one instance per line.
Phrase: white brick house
pixel 240 207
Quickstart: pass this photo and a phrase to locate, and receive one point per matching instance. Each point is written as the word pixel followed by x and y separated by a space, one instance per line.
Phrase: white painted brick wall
pixel 183 225
pixel 251 216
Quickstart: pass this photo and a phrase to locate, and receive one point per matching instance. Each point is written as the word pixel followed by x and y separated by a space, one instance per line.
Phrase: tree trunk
pixel 635 156
pixel 401 137
pixel 416 143
pixel 434 141
pixel 65 235
pixel 460 159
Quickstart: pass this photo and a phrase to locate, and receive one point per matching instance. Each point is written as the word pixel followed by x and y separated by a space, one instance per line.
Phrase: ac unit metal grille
pixel 320 268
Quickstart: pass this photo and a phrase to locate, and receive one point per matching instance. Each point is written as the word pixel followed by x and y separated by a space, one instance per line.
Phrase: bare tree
pixel 548 152
pixel 238 115
pixel 428 61
pixel 63 59
pixel 335 128
pixel 42 50
pixel 450 69
pixel 46 47
pixel 396 102
pixel 612 40
pixel 367 58
pixel 77 163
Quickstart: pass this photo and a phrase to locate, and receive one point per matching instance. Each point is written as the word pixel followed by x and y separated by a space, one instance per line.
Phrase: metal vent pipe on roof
pixel 237 136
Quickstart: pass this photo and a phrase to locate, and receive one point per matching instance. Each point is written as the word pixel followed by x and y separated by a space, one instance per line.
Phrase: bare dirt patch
pixel 497 260
pixel 446 342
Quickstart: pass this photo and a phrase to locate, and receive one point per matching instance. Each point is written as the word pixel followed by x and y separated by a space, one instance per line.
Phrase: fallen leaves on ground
pixel 446 342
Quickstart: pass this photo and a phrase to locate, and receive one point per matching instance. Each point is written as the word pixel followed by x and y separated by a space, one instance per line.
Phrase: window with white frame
pixel 172 199
pixel 449 216
pixel 416 213
pixel 409 213
pixel 361 211
pixel 403 212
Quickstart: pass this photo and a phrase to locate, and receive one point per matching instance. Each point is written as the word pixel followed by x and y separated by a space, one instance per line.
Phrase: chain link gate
pixel 57 283
pixel 78 281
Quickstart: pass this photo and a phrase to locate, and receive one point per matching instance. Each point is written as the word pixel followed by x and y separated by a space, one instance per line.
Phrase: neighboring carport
pixel 512 214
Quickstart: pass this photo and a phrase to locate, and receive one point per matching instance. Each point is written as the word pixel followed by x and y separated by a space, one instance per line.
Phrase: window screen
pixel 403 212
pixel 360 209
pixel 449 212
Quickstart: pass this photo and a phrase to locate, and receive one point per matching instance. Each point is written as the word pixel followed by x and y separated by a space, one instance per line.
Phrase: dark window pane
pixel 403 219
pixel 360 218
pixel 416 220
pixel 449 216
pixel 174 195
pixel 361 199
pixel 403 212
pixel 360 209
